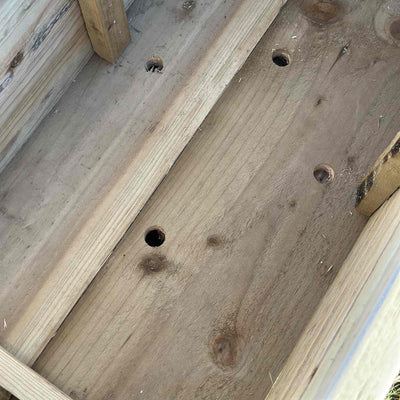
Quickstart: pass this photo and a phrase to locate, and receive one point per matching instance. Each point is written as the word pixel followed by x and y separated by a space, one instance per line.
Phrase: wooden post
pixel 107 26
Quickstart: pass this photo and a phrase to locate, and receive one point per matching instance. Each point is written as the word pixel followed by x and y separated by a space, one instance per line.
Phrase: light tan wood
pixel 107 26
pixel 252 239
pixel 351 347
pixel 24 383
pixel 381 181
pixel 77 186
pixel 43 46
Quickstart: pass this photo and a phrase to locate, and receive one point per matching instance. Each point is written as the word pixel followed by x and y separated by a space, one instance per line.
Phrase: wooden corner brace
pixel 107 25
pixel 23 382
pixel 381 181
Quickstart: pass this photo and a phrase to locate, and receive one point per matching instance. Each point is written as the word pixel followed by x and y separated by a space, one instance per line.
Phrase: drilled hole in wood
pixel 324 173
pixel 281 58
pixel 155 237
pixel 154 64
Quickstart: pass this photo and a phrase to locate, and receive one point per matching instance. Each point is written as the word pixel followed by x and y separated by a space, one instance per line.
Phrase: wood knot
pixel 17 60
pixel 214 241
pixel 323 11
pixel 224 350
pixel 395 29
pixel 153 263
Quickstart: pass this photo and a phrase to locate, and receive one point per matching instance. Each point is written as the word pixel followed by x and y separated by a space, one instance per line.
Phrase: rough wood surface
pixel 381 181
pixel 351 347
pixel 252 239
pixel 43 46
pixel 73 191
pixel 25 383
pixel 107 26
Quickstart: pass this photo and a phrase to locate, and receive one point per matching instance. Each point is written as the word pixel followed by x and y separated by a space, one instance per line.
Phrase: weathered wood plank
pixel 351 347
pixel 253 240
pixel 43 46
pixel 381 181
pixel 73 191
pixel 107 26
pixel 25 383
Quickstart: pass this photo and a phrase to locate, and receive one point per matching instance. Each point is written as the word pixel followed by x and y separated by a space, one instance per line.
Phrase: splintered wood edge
pixel 381 181
pixel 23 382
pixel 107 26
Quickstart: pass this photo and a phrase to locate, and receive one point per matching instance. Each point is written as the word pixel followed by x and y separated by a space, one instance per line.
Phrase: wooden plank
pixel 77 186
pixel 253 240
pixel 43 46
pixel 26 384
pixel 381 181
pixel 351 347
pixel 107 26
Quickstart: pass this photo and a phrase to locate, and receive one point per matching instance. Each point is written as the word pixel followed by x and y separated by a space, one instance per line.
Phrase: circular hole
pixel 154 64
pixel 324 173
pixel 280 58
pixel 155 237
pixel 395 29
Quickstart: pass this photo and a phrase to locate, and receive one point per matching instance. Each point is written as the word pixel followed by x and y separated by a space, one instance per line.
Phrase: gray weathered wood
pixel 252 239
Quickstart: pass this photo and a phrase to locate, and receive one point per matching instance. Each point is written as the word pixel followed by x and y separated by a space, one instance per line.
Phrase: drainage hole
pixel 154 64
pixel 324 173
pixel 155 237
pixel 281 58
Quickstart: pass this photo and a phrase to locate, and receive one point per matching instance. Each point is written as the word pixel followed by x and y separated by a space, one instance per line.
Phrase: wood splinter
pixel 381 181
pixel 107 25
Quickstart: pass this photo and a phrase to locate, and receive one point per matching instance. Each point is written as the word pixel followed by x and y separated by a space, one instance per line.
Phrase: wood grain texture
pixel 252 239
pixel 107 26
pixel 351 347
pixel 43 46
pixel 25 383
pixel 381 181
pixel 76 187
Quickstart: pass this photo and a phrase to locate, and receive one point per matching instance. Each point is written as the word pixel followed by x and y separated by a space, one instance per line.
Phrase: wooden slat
pixel 351 347
pixel 94 164
pixel 252 239
pixel 381 181
pixel 107 26
pixel 24 383
pixel 43 46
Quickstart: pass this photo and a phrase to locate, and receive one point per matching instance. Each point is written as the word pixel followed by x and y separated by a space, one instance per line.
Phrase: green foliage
pixel 394 393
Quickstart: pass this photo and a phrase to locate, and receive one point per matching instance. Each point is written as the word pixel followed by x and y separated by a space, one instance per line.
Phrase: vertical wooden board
pixel 107 26
pixel 351 347
pixel 43 46
pixel 73 191
pixel 252 239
